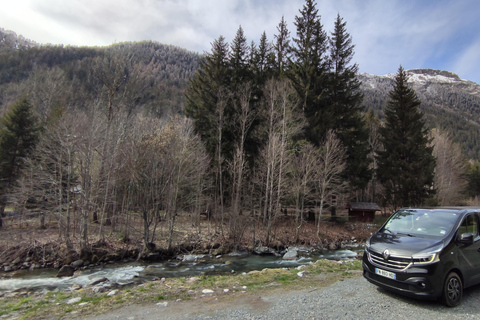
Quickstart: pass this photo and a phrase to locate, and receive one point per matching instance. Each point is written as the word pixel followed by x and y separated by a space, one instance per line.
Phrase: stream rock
pixel 95 282
pixel 35 266
pixel 333 246
pixel 73 300
pixel 112 293
pixel 207 291
pixel 189 258
pixel 65 271
pixel 76 287
pixel 264 250
pixel 290 255
pixel 77 264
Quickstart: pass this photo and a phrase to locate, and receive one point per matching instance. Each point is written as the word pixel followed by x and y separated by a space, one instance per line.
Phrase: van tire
pixel 452 290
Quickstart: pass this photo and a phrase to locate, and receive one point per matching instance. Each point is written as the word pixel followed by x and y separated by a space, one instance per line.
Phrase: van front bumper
pixel 421 283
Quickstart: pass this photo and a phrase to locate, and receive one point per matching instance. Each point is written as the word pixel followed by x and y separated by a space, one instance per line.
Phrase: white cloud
pixel 429 33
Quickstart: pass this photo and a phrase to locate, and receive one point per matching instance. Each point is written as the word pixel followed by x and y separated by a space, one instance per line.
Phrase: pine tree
pixel 406 164
pixel 205 92
pixel 308 68
pixel 239 59
pixel 281 48
pixel 17 138
pixel 261 66
pixel 246 92
pixel 344 99
pixel 18 135
pixel 263 63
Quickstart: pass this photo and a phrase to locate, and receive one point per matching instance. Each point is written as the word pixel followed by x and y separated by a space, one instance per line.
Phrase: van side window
pixel 469 225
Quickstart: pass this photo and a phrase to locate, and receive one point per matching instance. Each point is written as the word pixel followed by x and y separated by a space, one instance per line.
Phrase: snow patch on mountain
pixel 424 76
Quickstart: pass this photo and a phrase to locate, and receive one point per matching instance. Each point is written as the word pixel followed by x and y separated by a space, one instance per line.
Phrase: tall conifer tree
pixel 263 63
pixel 344 98
pixel 406 164
pixel 202 95
pixel 281 51
pixel 308 69
pixel 18 136
pixel 239 59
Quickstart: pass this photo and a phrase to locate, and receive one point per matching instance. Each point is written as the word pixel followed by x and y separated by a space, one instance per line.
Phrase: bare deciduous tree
pixel 167 167
pixel 89 128
pixel 302 176
pixel 449 181
pixel 281 126
pixel 331 165
pixel 223 99
pixel 244 119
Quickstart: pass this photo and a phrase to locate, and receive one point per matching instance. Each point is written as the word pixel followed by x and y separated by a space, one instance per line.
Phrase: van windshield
pixel 422 222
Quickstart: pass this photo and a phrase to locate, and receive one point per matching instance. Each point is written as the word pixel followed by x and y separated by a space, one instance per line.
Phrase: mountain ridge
pixel 449 103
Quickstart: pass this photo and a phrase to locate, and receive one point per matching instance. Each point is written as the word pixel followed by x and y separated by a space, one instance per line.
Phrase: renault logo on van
pixel 386 254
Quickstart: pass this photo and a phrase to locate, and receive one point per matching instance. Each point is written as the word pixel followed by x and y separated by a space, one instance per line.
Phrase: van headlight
pixel 428 256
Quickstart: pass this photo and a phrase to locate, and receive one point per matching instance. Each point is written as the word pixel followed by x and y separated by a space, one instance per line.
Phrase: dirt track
pixel 352 298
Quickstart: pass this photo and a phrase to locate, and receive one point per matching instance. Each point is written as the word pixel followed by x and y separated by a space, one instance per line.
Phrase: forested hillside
pixel 449 103
pixel 163 69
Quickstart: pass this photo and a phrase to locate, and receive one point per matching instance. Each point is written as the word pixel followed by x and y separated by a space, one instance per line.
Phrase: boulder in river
pixel 332 246
pixel 65 271
pixel 262 250
pixel 97 281
pixel 189 258
pixel 77 264
pixel 290 255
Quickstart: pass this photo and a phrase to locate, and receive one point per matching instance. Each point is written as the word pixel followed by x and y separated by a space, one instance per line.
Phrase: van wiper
pixel 406 234
pixel 385 229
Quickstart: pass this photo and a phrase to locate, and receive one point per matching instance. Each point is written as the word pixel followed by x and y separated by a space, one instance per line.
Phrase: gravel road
pixel 353 298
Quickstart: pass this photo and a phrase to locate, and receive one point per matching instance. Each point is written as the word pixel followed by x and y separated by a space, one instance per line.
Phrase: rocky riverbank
pixel 37 249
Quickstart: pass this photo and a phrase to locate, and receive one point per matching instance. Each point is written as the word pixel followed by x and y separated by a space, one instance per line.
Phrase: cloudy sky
pixel 437 34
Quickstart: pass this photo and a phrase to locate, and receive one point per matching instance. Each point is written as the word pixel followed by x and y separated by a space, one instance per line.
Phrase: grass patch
pixel 286 279
pixel 95 300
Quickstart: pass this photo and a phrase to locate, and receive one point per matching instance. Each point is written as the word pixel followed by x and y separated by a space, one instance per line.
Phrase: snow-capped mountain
pixel 449 103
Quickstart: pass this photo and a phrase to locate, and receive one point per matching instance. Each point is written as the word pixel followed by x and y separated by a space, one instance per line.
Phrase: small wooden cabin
pixel 362 211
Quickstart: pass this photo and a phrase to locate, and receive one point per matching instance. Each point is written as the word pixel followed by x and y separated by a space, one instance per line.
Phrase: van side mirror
pixel 466 239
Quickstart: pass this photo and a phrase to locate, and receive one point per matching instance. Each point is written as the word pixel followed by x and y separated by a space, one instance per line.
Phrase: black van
pixel 426 253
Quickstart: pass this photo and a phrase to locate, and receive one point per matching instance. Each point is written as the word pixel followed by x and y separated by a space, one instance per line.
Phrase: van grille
pixel 393 263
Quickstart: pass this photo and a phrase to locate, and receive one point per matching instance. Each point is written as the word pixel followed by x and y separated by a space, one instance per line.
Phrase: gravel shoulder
pixel 352 298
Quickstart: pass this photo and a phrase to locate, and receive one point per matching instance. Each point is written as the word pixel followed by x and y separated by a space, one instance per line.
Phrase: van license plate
pixel 386 274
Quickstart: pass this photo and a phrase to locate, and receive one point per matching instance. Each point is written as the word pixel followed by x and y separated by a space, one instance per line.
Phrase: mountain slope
pixel 449 103
pixel 165 70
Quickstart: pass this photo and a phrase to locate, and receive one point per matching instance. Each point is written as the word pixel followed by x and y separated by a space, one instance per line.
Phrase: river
pixel 45 280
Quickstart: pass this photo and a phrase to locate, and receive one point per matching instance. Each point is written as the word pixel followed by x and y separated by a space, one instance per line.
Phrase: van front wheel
pixel 452 290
